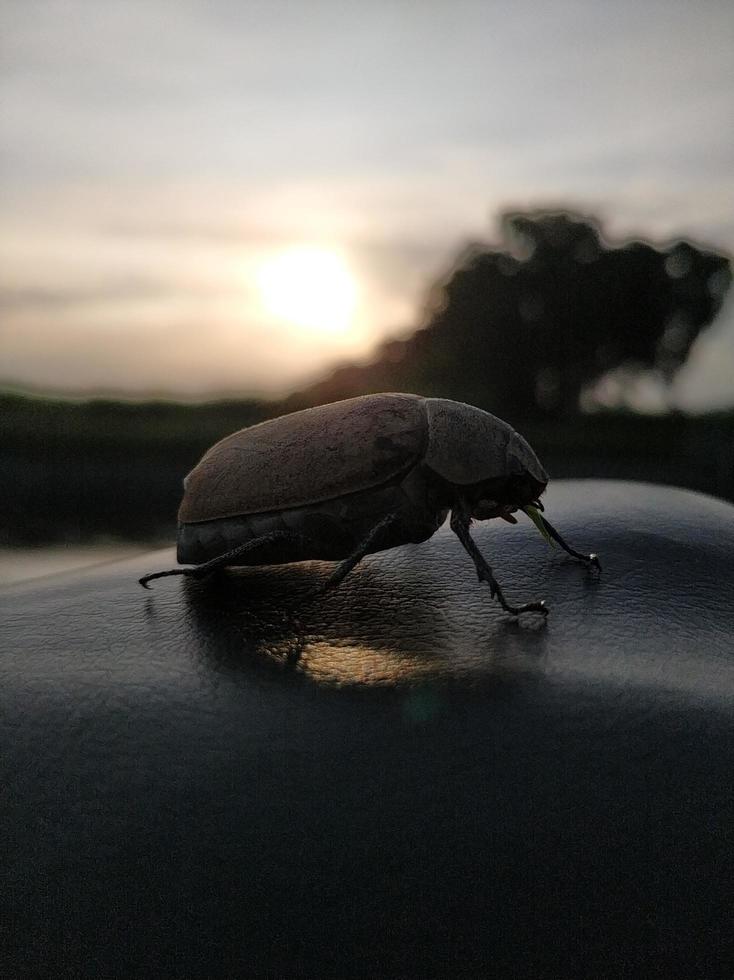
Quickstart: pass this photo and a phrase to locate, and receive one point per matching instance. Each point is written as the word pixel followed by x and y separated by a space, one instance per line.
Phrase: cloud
pixel 153 151
pixel 44 299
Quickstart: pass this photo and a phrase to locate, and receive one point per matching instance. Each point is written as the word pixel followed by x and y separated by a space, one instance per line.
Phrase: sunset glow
pixel 201 199
pixel 309 287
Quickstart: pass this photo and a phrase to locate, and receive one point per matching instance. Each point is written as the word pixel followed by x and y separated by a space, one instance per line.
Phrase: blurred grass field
pixel 79 471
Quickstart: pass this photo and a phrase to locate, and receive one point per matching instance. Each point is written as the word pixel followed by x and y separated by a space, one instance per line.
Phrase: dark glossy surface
pixel 217 779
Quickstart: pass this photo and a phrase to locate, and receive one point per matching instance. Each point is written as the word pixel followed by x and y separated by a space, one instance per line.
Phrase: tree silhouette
pixel 524 327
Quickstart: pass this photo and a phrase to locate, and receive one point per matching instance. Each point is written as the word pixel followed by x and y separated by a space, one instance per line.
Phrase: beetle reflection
pixel 385 627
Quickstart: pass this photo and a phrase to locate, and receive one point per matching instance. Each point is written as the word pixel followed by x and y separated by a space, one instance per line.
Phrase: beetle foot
pixel 591 561
pixel 496 592
pixel 149 578
pixel 193 572
pixel 539 607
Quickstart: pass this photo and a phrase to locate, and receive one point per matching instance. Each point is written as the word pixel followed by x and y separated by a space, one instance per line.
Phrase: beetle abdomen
pixel 327 530
pixel 315 455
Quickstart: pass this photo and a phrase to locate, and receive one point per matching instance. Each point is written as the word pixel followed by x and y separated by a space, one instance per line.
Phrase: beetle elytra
pixel 344 480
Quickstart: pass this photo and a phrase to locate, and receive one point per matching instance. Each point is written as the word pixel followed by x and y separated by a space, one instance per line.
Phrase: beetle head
pixel 525 481
pixel 502 496
pixel 481 460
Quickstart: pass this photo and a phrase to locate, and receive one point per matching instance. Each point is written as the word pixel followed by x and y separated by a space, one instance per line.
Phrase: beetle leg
pixel 460 527
pixel 201 571
pixel 344 567
pixel 588 560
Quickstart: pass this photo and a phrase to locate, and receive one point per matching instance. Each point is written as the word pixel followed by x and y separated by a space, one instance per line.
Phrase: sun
pixel 309 287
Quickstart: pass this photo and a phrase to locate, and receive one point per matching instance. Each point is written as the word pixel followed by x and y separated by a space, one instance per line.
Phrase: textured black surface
pixel 213 779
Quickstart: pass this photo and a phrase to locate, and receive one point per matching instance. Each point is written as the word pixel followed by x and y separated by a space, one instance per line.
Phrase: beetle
pixel 344 480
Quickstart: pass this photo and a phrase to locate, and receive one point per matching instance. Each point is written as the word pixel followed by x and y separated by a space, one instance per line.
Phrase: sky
pixel 215 196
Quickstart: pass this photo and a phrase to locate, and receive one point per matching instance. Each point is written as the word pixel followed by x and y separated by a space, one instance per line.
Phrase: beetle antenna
pixel 586 559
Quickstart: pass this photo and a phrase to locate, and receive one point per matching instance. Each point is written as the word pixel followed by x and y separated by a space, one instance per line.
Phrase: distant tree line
pixel 524 327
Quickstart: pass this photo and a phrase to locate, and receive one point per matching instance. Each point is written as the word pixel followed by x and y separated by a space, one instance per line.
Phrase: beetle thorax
pixel 467 446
